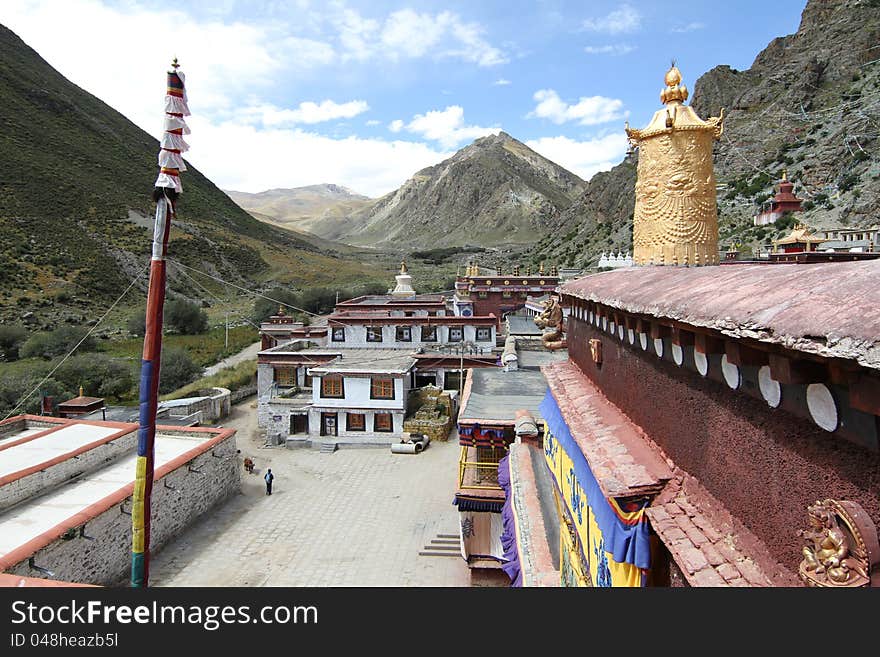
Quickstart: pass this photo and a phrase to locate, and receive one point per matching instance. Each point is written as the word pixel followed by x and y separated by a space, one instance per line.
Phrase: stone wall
pixel 765 465
pixel 49 477
pixel 103 556
pixel 431 413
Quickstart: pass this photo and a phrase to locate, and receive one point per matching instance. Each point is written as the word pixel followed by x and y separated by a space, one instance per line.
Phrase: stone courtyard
pixel 354 517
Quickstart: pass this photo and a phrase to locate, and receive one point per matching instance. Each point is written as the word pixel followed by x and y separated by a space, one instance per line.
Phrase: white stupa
pixel 404 286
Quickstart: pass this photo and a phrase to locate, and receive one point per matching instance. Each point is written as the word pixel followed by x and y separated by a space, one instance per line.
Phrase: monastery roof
pixel 710 546
pixel 367 361
pixel 519 325
pixel 382 299
pixel 800 235
pixel 492 396
pixel 82 401
pixel 624 461
pixel 831 310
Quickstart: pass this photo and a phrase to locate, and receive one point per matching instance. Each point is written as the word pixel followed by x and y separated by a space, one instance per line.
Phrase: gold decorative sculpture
pixel 552 317
pixel 842 547
pixel 676 218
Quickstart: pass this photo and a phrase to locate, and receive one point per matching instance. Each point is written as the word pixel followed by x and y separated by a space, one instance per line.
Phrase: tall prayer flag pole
pixel 165 193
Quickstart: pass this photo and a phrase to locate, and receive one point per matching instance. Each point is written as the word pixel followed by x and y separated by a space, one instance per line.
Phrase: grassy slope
pixel 71 170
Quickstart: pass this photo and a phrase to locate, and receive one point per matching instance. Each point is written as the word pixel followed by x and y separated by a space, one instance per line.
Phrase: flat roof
pixel 522 326
pixel 39 520
pixel 386 299
pixel 492 396
pixel 365 361
pixel 827 309
pixel 535 358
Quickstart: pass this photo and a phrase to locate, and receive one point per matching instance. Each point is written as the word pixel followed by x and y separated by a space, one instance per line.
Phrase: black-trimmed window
pixel 383 422
pixel 355 422
pixel 429 334
pixel 484 334
pixel 338 334
pixel 374 334
pixel 332 387
pixel 381 388
pixel 456 333
pixel 404 334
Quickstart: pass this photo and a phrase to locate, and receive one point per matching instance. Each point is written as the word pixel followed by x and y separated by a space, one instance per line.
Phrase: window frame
pixel 381 382
pixel 333 337
pixel 484 330
pixel 372 330
pixel 295 370
pixel 334 378
pixel 397 333
pixel 376 427
pixel 460 330
pixel 432 328
pixel 350 427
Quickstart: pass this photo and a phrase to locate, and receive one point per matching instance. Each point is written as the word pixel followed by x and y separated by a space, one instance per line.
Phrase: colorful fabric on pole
pixel 172 142
pixel 614 539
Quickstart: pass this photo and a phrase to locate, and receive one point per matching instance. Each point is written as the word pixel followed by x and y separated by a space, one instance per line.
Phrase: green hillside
pixel 76 214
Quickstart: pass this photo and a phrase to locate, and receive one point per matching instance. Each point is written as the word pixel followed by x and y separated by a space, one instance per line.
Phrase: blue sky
pixel 363 94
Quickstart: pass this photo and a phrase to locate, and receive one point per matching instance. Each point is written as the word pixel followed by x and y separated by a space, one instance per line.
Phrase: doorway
pixel 328 424
pixel 299 424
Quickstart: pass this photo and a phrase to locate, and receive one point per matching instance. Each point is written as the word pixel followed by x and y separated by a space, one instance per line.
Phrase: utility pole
pixel 227 331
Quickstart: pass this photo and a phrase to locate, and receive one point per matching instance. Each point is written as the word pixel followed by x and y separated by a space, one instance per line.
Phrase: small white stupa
pixel 404 286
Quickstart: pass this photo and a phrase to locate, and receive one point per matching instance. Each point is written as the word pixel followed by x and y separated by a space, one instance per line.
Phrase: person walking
pixel 269 477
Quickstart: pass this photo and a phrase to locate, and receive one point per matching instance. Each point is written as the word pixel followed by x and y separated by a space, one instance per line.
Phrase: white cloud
pixel 372 122
pixel 447 127
pixel 620 21
pixel 407 33
pixel 690 27
pixel 587 111
pixel 307 112
pixel 585 158
pixel 279 157
pixel 396 125
pixel 501 82
pixel 615 49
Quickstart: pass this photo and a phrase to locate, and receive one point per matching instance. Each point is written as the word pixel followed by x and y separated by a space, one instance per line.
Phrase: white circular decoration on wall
pixel 821 404
pixel 702 363
pixel 620 331
pixel 631 335
pixel 677 354
pixel 658 347
pixel 730 372
pixel 643 340
pixel 771 391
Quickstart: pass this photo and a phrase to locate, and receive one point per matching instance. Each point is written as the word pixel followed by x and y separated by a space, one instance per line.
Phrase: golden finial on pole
pixel 174 64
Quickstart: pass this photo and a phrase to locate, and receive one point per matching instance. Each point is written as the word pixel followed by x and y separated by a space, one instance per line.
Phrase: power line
pixel 76 346
pixel 218 299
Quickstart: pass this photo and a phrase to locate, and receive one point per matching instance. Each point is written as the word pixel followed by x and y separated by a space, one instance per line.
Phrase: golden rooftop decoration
pixel 403 266
pixel 676 218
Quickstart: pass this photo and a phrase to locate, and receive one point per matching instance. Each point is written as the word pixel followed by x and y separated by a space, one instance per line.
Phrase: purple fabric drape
pixel 511 566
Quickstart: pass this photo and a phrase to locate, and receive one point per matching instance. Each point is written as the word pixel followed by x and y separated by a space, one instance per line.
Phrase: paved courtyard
pixel 355 517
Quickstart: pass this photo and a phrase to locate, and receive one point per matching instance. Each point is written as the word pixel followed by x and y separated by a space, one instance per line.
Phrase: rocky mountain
pixel 495 191
pixel 300 207
pixel 809 104
pixel 76 214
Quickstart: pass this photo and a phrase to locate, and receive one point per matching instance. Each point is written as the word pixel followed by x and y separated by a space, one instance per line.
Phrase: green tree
pixel 185 317
pixel 265 308
pixel 56 343
pixel 11 338
pixel 137 324
pixel 177 369
pixel 99 375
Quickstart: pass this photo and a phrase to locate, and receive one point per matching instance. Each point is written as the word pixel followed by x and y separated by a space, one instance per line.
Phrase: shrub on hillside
pixel 185 317
pixel 264 308
pixel 56 343
pixel 177 369
pixel 11 338
pixel 137 324
pixel 98 374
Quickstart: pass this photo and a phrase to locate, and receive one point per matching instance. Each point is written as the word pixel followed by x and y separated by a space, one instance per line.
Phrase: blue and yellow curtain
pixel 614 542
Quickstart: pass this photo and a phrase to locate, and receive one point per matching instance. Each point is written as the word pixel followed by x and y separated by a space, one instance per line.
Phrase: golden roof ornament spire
pixel 675 92
pixel 174 64
pixel 676 218
pixel 784 174
pixel 403 266
pixel 80 391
